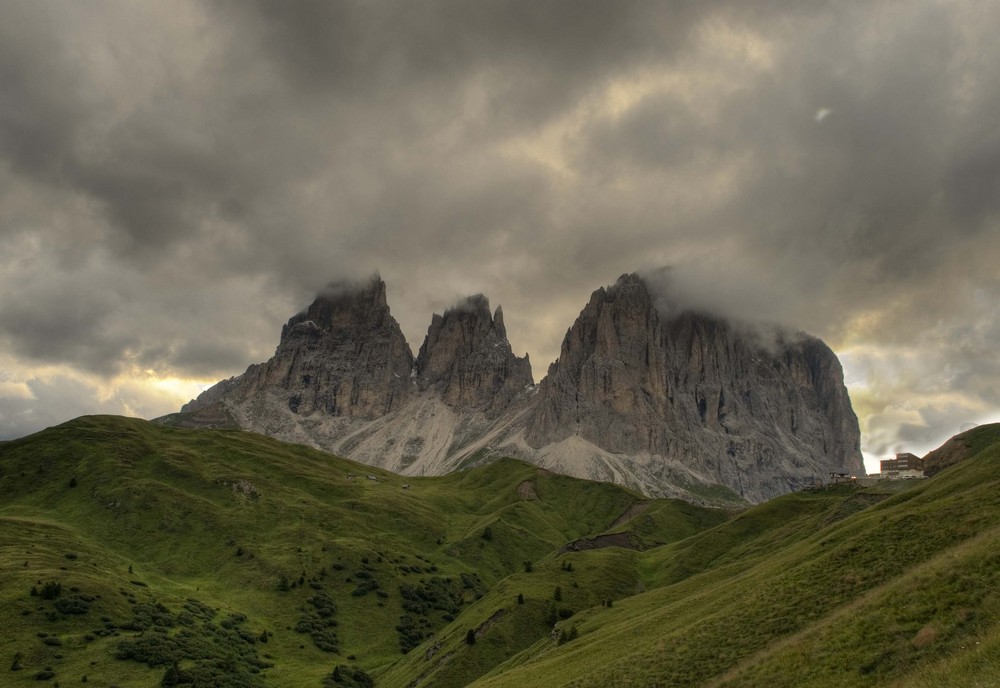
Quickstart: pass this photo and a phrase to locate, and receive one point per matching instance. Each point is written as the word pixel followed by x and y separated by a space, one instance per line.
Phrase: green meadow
pixel 134 554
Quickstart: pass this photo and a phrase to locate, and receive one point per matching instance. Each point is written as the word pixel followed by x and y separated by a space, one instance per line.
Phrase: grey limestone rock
pixel 467 359
pixel 759 412
pixel 665 400
pixel 343 356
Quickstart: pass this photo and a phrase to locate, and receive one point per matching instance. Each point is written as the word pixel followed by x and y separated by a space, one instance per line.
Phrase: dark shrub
pixel 348 677
pixel 74 604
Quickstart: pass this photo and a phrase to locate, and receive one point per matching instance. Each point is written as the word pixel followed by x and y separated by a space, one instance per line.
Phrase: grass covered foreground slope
pixel 134 554
pixel 902 592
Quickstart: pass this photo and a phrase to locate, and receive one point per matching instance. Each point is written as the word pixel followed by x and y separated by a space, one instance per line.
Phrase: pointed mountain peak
pixel 630 279
pixel 345 304
pixel 467 357
pixel 343 356
pixel 371 290
pixel 628 285
pixel 476 304
pixel 498 325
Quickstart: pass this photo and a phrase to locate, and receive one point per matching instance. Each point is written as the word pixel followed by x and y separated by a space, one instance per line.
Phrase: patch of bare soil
pixel 526 491
pixel 948 454
pixel 626 540
pixel 485 626
pixel 925 636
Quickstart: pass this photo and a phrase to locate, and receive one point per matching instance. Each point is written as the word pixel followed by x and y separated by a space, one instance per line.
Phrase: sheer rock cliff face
pixel 756 412
pixel 467 359
pixel 669 402
pixel 343 379
pixel 343 356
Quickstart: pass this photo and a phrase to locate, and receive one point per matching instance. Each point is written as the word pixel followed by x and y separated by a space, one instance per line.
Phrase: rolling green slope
pixel 132 553
pixel 136 554
pixel 811 589
pixel 596 584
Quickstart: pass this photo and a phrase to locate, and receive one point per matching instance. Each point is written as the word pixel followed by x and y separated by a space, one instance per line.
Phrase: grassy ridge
pixel 230 559
pixel 135 515
pixel 807 590
pixel 516 613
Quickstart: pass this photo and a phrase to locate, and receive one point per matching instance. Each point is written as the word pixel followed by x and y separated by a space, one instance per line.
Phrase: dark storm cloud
pixel 46 324
pixel 178 179
pixel 532 58
pixel 974 177
pixel 105 319
pixel 142 178
pixel 826 207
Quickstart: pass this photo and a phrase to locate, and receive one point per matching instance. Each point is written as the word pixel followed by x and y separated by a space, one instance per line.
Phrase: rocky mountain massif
pixel 664 400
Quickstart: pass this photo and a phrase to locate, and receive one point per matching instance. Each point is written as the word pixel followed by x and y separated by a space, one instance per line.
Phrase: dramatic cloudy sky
pixel 177 178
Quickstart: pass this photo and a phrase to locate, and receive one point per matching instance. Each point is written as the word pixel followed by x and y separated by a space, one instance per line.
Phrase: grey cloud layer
pixel 179 178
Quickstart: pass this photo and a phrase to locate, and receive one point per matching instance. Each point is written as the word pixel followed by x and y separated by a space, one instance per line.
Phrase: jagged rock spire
pixel 347 304
pixel 345 355
pixel 466 357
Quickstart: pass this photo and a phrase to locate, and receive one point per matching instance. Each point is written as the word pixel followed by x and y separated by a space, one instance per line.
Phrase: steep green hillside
pixel 960 447
pixel 812 589
pixel 595 583
pixel 135 555
pixel 132 553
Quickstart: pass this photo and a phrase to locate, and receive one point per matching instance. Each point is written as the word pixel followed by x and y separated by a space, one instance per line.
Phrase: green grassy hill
pixel 839 587
pixel 134 554
pixel 231 554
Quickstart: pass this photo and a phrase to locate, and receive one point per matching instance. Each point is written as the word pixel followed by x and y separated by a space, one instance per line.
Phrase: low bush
pixel 348 677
